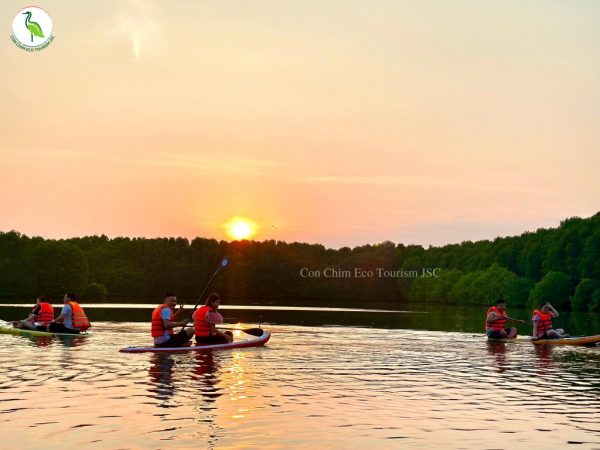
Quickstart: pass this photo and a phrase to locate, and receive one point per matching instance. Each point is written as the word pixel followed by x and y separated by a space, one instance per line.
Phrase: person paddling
pixel 205 320
pixel 41 315
pixel 542 323
pixel 72 318
pixel 163 322
pixel 495 322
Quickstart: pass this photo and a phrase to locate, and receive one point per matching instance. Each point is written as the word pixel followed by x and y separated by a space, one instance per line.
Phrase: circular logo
pixel 32 29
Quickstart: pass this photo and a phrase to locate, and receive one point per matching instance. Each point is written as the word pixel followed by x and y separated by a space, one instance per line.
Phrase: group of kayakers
pixel 495 322
pixel 71 320
pixel 204 319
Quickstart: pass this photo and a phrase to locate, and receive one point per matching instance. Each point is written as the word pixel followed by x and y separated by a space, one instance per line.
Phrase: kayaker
pixel 72 318
pixel 206 318
pixel 495 322
pixel 542 323
pixel 163 324
pixel 41 315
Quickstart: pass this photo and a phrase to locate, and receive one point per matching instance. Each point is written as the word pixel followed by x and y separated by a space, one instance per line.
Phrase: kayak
pixel 579 340
pixel 252 341
pixel 7 328
pixel 509 340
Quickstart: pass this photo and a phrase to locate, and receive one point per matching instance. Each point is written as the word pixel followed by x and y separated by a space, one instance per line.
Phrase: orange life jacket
pixel 544 322
pixel 45 314
pixel 498 324
pixel 80 320
pixel 201 326
pixel 158 326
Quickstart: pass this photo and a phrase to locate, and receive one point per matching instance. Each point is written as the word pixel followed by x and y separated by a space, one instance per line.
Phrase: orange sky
pixel 336 122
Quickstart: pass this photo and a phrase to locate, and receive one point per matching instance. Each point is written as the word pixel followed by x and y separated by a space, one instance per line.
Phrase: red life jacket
pixel 80 320
pixel 201 326
pixel 158 326
pixel 44 314
pixel 498 324
pixel 544 322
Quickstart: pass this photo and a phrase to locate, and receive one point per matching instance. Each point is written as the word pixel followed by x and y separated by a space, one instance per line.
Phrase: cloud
pixel 232 165
pixel 368 179
pixel 431 181
pixel 137 22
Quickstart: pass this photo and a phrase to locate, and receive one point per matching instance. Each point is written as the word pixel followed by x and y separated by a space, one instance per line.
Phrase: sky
pixel 336 122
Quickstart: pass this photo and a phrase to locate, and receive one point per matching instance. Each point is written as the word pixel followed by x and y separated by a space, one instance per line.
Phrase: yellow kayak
pixel 580 340
pixel 7 328
pixel 589 341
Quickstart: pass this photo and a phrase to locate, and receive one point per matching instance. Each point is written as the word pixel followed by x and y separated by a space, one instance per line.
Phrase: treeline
pixel 268 272
pixel 561 265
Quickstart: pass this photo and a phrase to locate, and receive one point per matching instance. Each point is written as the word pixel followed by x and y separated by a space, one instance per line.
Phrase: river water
pixel 317 384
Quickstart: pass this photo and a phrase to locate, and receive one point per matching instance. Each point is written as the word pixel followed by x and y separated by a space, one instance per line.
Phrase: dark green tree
pixel 555 288
pixel 95 292
pixel 582 300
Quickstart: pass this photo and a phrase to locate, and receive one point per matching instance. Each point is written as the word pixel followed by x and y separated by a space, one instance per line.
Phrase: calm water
pixel 317 386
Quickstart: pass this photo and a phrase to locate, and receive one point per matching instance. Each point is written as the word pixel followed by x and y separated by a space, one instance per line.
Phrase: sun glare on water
pixel 240 228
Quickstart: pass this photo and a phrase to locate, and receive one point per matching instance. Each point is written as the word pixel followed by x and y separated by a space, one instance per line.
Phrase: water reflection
pixel 544 357
pixel 205 373
pixel 40 341
pixel 311 387
pixel 46 341
pixel 206 377
pixel 160 372
pixel 497 349
pixel 73 341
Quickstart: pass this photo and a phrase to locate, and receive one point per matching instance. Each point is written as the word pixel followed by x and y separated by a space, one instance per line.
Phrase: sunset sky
pixel 336 122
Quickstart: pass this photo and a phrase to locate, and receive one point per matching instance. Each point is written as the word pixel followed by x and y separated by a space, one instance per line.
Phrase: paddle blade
pixel 224 262
pixel 258 332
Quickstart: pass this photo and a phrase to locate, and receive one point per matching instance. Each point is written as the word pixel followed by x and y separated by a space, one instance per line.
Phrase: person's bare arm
pixel 59 319
pixel 552 310
pixel 491 317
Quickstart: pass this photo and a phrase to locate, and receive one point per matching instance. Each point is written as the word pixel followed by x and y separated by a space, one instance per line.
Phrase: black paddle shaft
pixel 223 264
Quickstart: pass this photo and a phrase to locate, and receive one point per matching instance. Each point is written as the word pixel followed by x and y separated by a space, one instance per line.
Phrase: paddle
pixel 519 321
pixel 253 331
pixel 222 265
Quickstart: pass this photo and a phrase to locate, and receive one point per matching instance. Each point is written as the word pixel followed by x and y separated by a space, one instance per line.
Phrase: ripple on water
pixel 323 387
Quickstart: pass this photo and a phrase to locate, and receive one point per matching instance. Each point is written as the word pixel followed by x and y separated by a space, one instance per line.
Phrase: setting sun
pixel 240 228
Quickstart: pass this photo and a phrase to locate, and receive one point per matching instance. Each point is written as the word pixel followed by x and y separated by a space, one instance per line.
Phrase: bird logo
pixel 32 29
